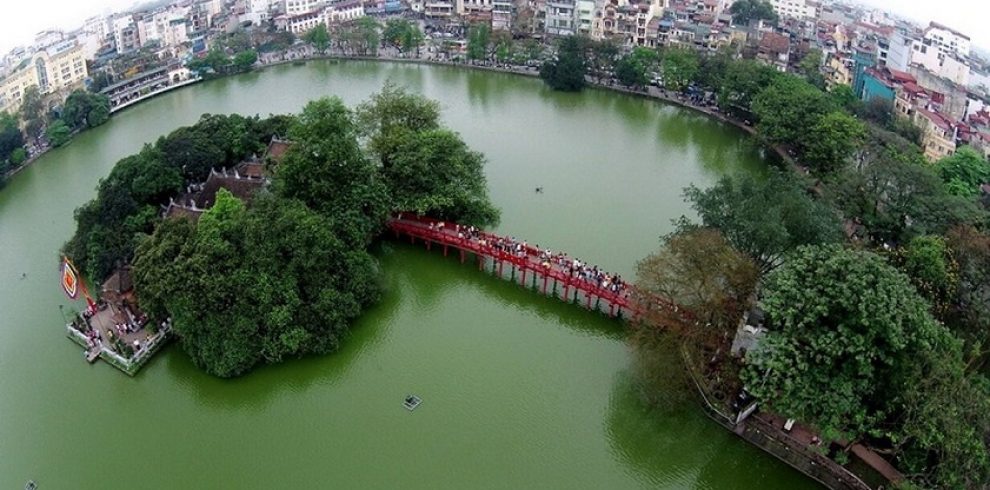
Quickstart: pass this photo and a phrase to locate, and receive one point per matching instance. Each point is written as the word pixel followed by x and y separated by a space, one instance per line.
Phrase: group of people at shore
pixel 575 268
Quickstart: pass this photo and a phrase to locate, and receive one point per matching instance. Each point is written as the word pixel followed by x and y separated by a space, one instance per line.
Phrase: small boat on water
pixel 411 402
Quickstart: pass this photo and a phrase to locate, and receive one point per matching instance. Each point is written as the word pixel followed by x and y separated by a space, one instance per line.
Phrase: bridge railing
pixel 452 234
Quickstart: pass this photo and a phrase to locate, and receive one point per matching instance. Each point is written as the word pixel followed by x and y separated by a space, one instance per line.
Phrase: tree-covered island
pixel 284 270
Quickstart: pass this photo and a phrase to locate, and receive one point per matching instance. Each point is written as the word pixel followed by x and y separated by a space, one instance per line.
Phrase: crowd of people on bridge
pixel 574 268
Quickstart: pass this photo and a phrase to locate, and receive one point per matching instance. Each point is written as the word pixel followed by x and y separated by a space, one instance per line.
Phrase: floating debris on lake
pixel 411 402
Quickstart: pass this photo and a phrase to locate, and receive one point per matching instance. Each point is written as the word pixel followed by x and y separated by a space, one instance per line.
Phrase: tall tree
pixel 366 29
pixel 244 60
pixel 33 112
pixel 434 173
pixel 969 314
pixel 327 171
pixel 896 196
pixel 964 171
pixel 743 81
pixel 388 117
pixel 680 68
pixel 765 218
pixel 10 136
pixel 787 108
pixel 635 68
pixel 847 329
pixel 837 137
pixel 699 270
pixel 566 72
pixel 267 266
pixel 811 68
pixel 479 36
pixel 746 11
pixel 84 109
pixel 603 58
pixel 319 37
pixel 58 133
pixel 402 34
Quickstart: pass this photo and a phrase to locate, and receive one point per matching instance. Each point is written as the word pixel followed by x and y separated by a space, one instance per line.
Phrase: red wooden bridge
pixel 554 274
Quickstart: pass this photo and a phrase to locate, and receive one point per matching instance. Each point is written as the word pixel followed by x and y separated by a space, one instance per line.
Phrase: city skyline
pixel 29 18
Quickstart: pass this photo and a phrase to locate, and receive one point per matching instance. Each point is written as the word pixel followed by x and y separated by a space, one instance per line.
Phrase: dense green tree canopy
pixel 837 136
pixel 58 133
pixel 635 68
pixel 896 196
pixel 787 108
pixel 434 173
pixel 10 136
pixel 286 275
pixel 567 71
pixel 319 37
pixel 85 110
pixel 928 262
pixel 964 172
pixel 847 330
pixel 129 199
pixel 969 315
pixel 327 170
pixel 944 441
pixel 388 117
pixel 680 68
pixel 251 285
pixel 765 218
pixel 478 38
pixel 742 82
pixel 745 11
pixel 244 60
pixel 403 34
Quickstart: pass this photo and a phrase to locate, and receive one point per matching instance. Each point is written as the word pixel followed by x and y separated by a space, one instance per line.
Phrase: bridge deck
pixel 598 290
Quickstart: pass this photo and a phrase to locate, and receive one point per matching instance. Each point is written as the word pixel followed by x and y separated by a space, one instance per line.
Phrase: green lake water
pixel 519 391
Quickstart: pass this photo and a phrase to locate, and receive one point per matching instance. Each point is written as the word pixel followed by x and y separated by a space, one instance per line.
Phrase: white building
pixel 44 39
pixel 91 43
pixel 473 6
pixel 585 16
pixel 296 7
pixel 945 65
pixel 341 12
pixel 176 33
pixel 439 9
pixel 125 33
pixel 560 17
pixel 300 24
pixel 794 9
pixel 98 25
pixel 502 14
pixel 258 12
pixel 948 40
pixel 899 51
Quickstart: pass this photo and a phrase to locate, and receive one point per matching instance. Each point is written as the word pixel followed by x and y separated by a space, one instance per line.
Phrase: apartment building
pixel 58 68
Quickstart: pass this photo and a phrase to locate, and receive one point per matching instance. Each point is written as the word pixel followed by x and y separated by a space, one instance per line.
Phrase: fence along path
pixel 556 274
